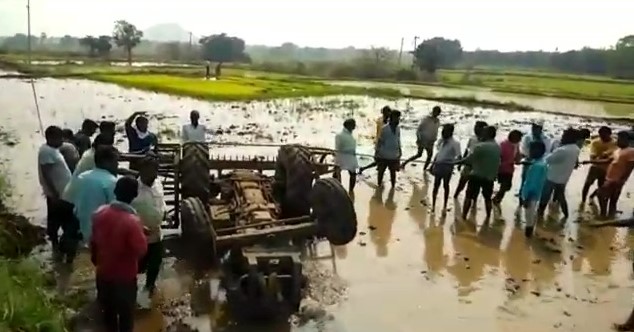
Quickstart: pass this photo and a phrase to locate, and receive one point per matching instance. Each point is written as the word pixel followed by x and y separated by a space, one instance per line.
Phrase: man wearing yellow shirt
pixel 150 207
pixel 380 122
pixel 601 148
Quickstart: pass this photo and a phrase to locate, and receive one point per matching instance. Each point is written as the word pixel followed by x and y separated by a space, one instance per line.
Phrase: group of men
pixel 547 165
pixel 117 217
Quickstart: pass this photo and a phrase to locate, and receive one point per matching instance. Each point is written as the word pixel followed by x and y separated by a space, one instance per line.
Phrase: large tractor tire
pixel 194 171
pixel 294 175
pixel 334 211
pixel 198 232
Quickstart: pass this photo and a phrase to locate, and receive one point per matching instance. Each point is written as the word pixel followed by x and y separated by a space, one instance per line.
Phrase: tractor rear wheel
pixel 294 174
pixel 334 211
pixel 194 171
pixel 198 231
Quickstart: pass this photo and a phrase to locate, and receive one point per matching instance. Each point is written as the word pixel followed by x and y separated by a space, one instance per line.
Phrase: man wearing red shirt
pixel 117 244
pixel 509 153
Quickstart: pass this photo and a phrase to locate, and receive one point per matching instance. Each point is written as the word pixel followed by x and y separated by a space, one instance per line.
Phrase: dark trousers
pixel 595 174
pixel 559 192
pixel 384 164
pixel 60 215
pixel 150 264
pixel 475 186
pixel 117 301
pixel 352 181
pixel 506 182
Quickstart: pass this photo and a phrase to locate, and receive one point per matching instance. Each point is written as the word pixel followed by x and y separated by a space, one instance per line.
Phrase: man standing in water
pixel 379 123
pixel 485 165
pixel 150 207
pixel 617 174
pixel 54 175
pixel 388 149
pixel 561 163
pixel 346 154
pixel 117 245
pixel 530 194
pixel 536 135
pixel 82 138
pixel 466 169
pixel 442 169
pixel 426 135
pixel 601 148
pixel 95 188
pixel 510 155
pixel 194 131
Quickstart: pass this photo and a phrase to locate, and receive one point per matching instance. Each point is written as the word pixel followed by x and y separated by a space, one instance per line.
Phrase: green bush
pixel 25 306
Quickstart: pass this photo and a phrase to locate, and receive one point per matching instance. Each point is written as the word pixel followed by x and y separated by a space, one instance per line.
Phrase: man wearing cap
pixel 535 135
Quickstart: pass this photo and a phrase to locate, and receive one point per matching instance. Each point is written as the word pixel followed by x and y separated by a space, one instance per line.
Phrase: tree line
pixel 430 55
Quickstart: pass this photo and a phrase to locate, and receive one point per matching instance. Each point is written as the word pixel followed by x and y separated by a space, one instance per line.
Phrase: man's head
pixel 54 136
pixel 350 124
pixel 126 189
pixel 107 127
pixel 569 136
pixel 141 123
pixel 194 116
pixel 489 133
pixel 536 149
pixel 435 112
pixel 623 139
pixel 537 128
pixel 447 130
pixel 477 128
pixel 385 111
pixel 148 169
pixel 88 127
pixel 103 139
pixel 605 133
pixel 107 158
pixel 515 136
pixel 395 117
pixel 584 134
pixel 68 135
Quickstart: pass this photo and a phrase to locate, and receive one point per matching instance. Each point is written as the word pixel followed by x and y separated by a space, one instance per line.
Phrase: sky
pixel 505 25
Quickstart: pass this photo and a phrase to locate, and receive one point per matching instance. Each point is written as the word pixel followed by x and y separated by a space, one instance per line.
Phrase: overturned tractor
pixel 255 225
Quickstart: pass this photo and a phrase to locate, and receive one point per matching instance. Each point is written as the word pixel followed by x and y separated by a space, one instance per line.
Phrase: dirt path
pixel 408 268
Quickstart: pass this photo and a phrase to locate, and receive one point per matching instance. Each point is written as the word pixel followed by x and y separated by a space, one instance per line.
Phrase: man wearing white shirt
pixel 193 132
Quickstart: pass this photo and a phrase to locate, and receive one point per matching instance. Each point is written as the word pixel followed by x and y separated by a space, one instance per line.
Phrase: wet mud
pixel 408 268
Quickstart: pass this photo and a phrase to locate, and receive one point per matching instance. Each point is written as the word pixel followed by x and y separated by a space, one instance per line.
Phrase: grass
pixel 234 87
pixel 592 88
pixel 26 305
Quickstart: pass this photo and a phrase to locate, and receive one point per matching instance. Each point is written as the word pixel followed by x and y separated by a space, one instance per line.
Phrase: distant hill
pixel 166 32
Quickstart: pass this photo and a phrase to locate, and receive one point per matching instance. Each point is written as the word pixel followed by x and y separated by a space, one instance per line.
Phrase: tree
pixel 126 35
pixel 67 42
pixel 89 42
pixel 621 62
pixel 103 45
pixel 436 53
pixel 222 48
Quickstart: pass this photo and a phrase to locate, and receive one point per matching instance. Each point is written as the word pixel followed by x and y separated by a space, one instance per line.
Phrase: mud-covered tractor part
pixel 197 231
pixel 294 175
pixel 334 211
pixel 264 283
pixel 194 171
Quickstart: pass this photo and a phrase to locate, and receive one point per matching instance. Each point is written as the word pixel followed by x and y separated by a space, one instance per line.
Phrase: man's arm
pixel 130 120
pixel 48 179
pixel 184 136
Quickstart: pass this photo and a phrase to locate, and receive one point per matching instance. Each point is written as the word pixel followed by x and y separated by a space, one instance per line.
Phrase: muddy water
pixel 408 268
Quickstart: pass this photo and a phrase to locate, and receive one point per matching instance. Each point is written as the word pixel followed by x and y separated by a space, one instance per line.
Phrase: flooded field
pixel 547 104
pixel 408 269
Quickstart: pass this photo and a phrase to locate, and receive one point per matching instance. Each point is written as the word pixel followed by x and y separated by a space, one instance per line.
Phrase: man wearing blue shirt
pixel 536 135
pixel 95 188
pixel 388 148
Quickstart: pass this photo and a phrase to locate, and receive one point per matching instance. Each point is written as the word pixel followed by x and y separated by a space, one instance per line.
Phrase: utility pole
pixel 28 22
pixel 400 52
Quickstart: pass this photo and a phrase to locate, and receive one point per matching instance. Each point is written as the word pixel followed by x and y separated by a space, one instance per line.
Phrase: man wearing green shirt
pixel 485 162
pixel 150 207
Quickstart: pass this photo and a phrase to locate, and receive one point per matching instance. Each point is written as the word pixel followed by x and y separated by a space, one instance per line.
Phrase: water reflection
pixel 381 216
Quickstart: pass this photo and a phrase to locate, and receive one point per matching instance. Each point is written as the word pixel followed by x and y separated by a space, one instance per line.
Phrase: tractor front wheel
pixel 334 211
pixel 197 231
